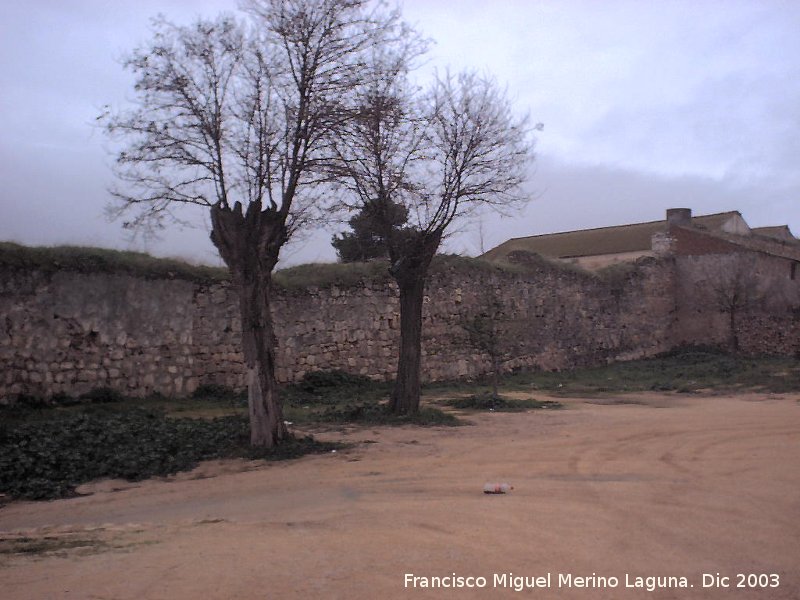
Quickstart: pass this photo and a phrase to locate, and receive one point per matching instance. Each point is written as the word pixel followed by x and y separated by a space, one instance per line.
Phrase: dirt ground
pixel 608 492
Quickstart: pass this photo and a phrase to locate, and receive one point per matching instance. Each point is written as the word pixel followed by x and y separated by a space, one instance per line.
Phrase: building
pixel 731 285
pixel 679 234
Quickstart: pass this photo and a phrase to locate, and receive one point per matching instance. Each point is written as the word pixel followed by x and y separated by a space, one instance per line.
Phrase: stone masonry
pixel 63 331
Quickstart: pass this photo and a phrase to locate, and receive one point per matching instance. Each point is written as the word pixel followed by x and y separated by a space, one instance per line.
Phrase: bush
pixel 63 399
pixel 333 388
pixel 26 401
pixel 315 382
pixel 102 395
pixel 220 393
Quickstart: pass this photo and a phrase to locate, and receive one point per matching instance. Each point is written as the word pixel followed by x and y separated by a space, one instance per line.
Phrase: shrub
pixel 102 395
pixel 315 382
pixel 333 388
pixel 220 393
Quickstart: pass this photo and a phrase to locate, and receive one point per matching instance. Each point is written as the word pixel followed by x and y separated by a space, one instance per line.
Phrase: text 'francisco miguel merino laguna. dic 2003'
pixel 548 580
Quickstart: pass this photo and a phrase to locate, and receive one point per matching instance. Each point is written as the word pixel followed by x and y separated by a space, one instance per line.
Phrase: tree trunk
pixel 734 334
pixel 405 397
pixel 410 269
pixel 267 427
pixel 495 376
pixel 249 244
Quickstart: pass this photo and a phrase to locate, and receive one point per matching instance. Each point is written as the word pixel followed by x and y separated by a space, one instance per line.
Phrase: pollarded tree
pixel 440 153
pixel 237 119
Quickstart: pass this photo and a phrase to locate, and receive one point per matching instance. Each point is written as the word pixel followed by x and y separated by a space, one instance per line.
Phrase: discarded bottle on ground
pixel 497 488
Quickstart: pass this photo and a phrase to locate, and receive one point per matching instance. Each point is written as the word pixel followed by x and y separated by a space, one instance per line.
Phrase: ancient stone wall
pixel 68 332
pixel 747 301
pixel 63 331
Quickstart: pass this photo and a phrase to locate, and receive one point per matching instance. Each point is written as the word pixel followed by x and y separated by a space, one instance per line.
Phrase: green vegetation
pixel 48 449
pixel 326 275
pixel 351 274
pixel 51 544
pixel 379 414
pixel 342 398
pixel 488 401
pixel 90 260
pixel 684 370
pixel 48 457
pixel 364 241
pixel 330 388
pixel 102 260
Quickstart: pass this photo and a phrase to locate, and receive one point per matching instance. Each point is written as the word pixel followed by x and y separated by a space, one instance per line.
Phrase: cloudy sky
pixel 645 105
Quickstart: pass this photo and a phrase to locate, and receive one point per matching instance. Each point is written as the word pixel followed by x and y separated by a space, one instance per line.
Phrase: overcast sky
pixel 645 105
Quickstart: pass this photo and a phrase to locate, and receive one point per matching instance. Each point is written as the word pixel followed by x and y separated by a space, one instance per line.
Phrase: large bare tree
pixel 237 117
pixel 440 153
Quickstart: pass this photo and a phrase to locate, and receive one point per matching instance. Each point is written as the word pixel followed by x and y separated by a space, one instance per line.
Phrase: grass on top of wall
pixel 326 275
pixel 90 260
pixel 345 275
pixel 103 260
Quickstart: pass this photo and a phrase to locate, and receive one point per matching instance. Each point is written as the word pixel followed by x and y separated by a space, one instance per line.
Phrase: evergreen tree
pixel 366 240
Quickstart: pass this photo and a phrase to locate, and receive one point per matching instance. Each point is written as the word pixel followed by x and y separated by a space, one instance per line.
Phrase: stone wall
pixel 69 332
pixel 64 331
pixel 767 297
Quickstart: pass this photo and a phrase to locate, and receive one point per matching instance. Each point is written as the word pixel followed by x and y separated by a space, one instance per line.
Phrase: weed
pixel 379 414
pixel 684 370
pixel 488 401
pixel 46 545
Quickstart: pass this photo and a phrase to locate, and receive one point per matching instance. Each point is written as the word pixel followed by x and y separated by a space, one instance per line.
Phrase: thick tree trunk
pixel 409 268
pixel 405 397
pixel 249 244
pixel 267 427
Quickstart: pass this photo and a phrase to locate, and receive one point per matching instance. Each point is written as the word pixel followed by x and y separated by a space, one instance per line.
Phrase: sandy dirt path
pixel 658 485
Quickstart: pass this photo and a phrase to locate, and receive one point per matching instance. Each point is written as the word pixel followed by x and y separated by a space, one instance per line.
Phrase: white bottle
pixel 497 488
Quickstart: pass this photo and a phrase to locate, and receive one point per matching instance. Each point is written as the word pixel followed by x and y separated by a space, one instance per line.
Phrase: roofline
pixel 770 227
pixel 529 237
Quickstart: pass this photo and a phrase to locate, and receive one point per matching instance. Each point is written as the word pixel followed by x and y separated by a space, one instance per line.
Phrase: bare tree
pixel 440 153
pixel 734 289
pixel 238 119
pixel 485 332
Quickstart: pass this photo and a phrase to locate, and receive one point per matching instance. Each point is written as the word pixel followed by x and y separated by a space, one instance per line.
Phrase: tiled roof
pixel 605 240
pixel 778 232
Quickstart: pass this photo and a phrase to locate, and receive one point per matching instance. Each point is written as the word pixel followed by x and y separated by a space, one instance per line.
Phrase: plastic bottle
pixel 497 488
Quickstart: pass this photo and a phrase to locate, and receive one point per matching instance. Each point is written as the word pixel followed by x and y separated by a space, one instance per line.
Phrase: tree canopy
pixel 365 240
pixel 238 116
